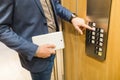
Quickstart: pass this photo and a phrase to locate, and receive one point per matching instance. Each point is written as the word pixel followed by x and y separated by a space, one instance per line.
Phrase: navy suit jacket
pixel 22 19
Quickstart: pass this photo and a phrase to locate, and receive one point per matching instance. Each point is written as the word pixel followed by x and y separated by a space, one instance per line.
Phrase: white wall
pixel 10 67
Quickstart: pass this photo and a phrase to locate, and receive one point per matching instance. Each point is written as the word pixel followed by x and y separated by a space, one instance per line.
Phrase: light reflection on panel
pixel 99 12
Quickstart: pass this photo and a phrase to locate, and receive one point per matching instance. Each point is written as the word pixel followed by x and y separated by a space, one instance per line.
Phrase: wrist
pixel 73 16
pixel 37 52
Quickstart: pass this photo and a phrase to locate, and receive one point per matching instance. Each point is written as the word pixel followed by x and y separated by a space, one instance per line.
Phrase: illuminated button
pixel 100 49
pixel 100 53
pixel 94 28
pixel 94 24
pixel 93 37
pixel 93 33
pixel 102 30
pixel 101 35
pixel 101 39
pixel 101 44
pixel 93 41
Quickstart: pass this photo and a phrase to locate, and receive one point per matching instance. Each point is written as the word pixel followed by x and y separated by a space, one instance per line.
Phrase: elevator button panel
pixel 95 41
pixel 98 15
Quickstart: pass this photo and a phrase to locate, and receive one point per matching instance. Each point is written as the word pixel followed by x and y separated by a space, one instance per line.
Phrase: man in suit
pixel 20 20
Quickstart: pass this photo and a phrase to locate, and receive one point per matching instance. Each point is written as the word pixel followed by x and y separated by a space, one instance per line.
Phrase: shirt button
pixel 45 23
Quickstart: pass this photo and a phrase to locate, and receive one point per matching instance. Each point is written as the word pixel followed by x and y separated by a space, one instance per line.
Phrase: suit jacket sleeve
pixel 61 11
pixel 8 36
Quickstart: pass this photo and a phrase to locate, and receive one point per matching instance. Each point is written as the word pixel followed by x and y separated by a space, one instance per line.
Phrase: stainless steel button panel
pixel 95 39
pixel 98 15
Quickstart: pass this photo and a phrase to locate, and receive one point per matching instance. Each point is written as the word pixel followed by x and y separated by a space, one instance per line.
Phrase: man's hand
pixel 45 51
pixel 80 25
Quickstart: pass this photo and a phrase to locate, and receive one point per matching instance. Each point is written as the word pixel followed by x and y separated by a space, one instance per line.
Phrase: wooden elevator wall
pixel 78 66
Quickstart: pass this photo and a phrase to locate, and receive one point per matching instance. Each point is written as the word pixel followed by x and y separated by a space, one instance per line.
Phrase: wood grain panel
pixel 113 53
pixel 69 51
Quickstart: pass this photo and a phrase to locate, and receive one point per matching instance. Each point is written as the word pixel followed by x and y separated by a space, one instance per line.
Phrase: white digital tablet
pixel 55 38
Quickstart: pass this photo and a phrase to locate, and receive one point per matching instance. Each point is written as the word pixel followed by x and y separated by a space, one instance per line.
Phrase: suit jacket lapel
pixel 39 6
pixel 53 6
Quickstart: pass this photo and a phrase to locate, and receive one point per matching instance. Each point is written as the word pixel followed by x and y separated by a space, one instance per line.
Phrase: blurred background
pixel 10 67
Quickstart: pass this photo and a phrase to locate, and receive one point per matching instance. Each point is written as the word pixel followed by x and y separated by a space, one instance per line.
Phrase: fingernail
pixel 93 28
pixel 81 33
